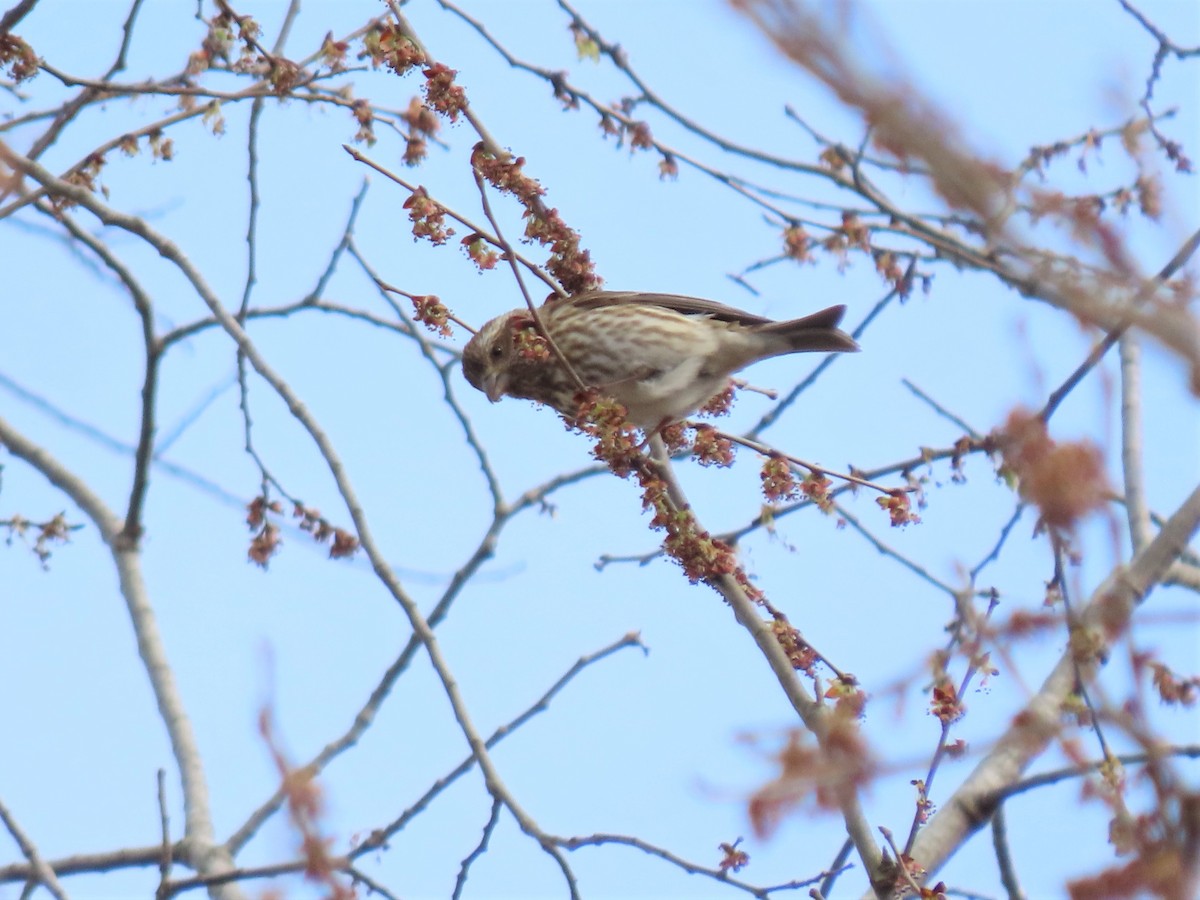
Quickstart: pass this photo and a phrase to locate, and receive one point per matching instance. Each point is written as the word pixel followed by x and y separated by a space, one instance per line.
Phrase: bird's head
pixel 487 356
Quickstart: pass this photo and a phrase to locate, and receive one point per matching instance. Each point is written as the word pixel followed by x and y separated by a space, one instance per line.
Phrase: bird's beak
pixel 495 385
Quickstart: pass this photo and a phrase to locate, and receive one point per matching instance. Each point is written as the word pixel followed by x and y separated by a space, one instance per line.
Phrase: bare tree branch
pixel 198 848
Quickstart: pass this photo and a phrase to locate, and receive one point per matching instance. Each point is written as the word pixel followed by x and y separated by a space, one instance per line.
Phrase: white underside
pixel 672 395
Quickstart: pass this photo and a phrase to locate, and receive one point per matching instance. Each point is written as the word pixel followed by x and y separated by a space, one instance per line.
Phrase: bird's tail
pixel 814 333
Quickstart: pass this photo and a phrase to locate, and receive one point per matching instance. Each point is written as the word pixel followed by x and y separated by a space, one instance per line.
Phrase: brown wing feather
pixel 689 306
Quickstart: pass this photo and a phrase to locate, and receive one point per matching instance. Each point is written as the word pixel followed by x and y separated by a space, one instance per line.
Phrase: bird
pixel 662 356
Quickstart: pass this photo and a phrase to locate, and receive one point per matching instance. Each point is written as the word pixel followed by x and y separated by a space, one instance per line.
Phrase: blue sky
pixel 644 744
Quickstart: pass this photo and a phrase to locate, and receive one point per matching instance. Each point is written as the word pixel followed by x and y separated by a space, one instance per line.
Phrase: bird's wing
pixel 689 306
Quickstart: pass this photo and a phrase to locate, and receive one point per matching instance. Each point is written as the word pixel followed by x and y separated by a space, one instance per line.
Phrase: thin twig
pixel 766 450
pixel 918 570
pixel 448 393
pixel 167 858
pixel 994 553
pixel 1059 581
pixel 1055 776
pixel 941 410
pixel 144 451
pixel 489 827
pixel 721 875
pixel 836 867
pixel 1004 860
pixel 41 871
pixel 1102 347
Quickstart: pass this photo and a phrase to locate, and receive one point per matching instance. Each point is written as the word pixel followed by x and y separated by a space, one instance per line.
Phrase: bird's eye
pixel 497 351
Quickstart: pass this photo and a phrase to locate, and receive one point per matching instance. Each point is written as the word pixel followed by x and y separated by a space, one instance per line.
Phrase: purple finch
pixel 661 355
